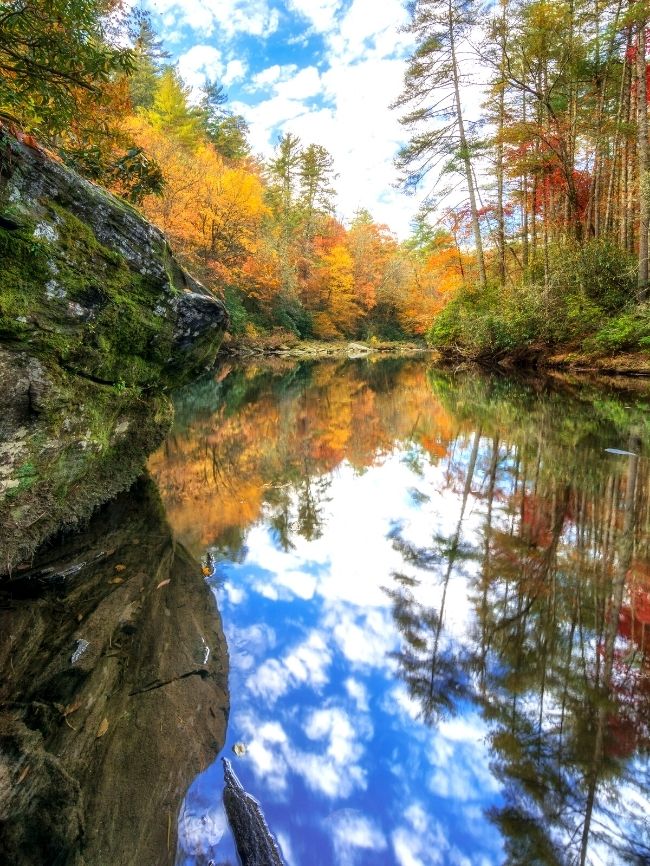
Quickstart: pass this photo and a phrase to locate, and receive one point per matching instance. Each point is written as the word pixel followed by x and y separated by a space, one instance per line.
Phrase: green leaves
pixel 51 52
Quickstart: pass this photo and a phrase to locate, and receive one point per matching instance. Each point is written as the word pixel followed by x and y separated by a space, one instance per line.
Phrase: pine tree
pixel 315 176
pixel 172 112
pixel 150 59
pixel 226 130
pixel 432 95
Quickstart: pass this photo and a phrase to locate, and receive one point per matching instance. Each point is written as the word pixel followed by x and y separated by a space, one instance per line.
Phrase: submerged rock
pixel 97 319
pixel 256 845
pixel 97 748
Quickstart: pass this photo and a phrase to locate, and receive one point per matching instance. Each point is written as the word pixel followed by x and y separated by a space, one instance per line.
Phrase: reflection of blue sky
pixel 336 753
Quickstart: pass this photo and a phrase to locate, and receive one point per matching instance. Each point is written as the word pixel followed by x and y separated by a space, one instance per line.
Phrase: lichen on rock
pixel 97 321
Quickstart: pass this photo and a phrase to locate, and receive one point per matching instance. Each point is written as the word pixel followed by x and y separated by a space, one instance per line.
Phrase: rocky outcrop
pixel 113 695
pixel 256 845
pixel 86 281
pixel 97 320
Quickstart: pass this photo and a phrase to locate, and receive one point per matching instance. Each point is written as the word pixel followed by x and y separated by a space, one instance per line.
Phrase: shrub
pixel 629 330
pixel 597 271
pixel 236 311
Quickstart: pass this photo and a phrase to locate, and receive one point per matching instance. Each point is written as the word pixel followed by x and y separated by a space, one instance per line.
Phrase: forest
pixel 533 234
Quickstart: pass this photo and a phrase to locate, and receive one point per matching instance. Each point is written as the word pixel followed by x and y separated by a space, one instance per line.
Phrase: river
pixel 435 589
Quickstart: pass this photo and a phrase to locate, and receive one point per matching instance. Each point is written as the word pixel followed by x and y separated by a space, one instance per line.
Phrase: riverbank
pixel 272 346
pixel 547 360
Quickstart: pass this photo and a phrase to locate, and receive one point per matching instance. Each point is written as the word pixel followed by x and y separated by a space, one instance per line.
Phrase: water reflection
pixel 436 590
pixel 113 693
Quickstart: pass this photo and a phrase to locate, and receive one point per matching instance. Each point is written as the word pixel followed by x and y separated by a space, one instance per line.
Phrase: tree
pixel 644 157
pixel 53 53
pixel 149 60
pixel 283 172
pixel 171 111
pixel 432 92
pixel 226 131
pixel 315 175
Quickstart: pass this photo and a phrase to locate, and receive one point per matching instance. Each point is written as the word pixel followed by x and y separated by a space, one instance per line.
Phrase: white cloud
pixel 199 63
pixel 252 17
pixel 320 13
pixel 303 85
pixel 235 71
pixel 352 831
pixel 272 75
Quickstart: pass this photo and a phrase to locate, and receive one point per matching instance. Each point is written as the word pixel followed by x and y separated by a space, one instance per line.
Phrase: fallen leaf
pixel 117 580
pixel 163 583
pixel 21 778
pixel 71 708
pixel 206 570
pixel 80 616
pixel 101 730
pixel 120 567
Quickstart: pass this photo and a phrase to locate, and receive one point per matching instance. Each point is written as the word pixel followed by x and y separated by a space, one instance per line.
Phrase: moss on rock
pixel 97 320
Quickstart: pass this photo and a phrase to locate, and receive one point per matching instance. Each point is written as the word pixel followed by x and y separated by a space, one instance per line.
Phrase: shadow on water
pixel 114 692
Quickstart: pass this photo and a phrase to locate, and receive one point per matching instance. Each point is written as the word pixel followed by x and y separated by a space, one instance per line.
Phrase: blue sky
pixel 325 70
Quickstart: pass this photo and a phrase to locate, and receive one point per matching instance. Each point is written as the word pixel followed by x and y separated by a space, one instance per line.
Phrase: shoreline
pixel 317 349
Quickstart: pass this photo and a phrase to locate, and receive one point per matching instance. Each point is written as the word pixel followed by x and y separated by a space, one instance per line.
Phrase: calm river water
pixel 436 593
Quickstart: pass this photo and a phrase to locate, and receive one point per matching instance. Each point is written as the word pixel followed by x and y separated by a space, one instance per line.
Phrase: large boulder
pixel 97 320
pixel 87 282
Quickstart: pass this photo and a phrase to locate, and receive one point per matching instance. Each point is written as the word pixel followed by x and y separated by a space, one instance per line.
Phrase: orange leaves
pixel 210 211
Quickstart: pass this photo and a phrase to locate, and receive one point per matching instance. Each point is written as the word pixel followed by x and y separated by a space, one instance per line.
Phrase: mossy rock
pixel 86 282
pixel 97 320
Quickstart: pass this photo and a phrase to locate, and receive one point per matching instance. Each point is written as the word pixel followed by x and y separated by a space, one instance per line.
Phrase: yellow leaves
pixel 210 211
pixel 120 567
pixel 163 583
pixel 101 730
pixel 207 571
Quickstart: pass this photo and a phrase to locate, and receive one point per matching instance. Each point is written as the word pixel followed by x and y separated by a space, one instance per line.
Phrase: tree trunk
pixel 642 149
pixel 465 153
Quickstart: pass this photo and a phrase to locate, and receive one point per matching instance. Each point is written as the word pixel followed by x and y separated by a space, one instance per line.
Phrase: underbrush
pixel 587 303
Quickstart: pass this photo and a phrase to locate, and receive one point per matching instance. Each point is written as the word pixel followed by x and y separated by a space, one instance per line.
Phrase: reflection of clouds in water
pixel 422 841
pixel 306 664
pixel 235 594
pixel 460 743
pixel 358 693
pixel 399 702
pixel 303 706
pixel 364 637
pixel 352 833
pixel 199 834
pixel 287 850
pixel 247 645
pixel 333 769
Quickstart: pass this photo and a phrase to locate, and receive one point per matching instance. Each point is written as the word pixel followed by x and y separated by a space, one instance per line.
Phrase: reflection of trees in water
pixel 259 441
pixel 433 671
pixel 557 654
pixel 566 705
